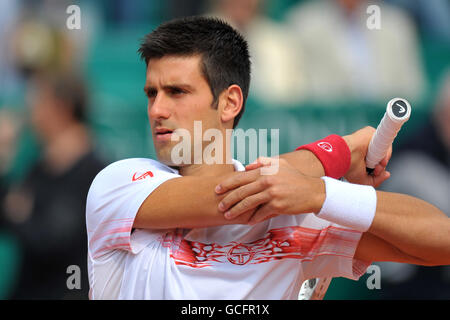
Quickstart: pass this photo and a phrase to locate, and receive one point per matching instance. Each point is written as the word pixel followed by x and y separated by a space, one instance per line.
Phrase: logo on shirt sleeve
pixel 141 176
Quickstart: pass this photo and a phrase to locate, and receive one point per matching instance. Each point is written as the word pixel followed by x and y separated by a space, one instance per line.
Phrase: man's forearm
pixel 330 156
pixel 415 227
pixel 347 158
pixel 186 202
pixel 305 161
pixel 395 227
pixel 190 202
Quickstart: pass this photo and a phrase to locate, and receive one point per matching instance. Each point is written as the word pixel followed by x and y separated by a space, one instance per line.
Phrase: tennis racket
pixel 314 289
pixel 398 111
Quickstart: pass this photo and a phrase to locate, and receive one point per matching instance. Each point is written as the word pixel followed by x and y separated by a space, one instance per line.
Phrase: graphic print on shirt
pixel 280 243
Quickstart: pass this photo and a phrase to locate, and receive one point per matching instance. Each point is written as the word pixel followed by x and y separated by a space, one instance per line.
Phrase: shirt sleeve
pixel 113 201
pixel 331 251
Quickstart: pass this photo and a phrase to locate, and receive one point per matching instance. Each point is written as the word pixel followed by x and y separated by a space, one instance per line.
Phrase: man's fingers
pixel 245 217
pixel 261 214
pixel 247 204
pixel 379 179
pixel 258 163
pixel 386 159
pixel 239 194
pixel 378 170
pixel 237 180
pixel 380 167
pixel 253 166
pixel 389 154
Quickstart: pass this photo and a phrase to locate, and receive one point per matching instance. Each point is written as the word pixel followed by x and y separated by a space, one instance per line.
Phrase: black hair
pixel 224 52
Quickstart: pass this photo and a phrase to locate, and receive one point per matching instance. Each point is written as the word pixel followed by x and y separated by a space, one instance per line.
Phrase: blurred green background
pixel 118 116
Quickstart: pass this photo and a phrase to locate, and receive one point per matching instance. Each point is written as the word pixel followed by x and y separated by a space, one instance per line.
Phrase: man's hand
pixel 358 142
pixel 286 192
pixel 289 191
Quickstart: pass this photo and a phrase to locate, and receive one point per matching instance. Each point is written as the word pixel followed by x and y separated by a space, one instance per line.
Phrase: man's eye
pixel 176 91
pixel 151 93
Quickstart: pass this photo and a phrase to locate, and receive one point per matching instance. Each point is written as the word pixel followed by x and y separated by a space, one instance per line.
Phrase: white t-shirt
pixel 269 260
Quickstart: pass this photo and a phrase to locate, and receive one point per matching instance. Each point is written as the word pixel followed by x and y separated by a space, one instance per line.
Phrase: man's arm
pixel 406 229
pixel 358 142
pixel 186 202
pixel 304 161
pixel 190 202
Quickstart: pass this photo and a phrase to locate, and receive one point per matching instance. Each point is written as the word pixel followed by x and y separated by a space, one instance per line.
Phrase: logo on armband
pixel 325 146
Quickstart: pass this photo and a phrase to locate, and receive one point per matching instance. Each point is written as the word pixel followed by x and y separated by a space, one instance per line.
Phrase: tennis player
pixel 161 230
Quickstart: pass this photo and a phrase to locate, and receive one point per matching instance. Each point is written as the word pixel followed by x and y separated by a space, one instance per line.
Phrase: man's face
pixel 178 94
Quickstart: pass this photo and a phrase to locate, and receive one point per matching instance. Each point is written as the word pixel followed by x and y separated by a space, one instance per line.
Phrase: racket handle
pixel 398 111
pixel 314 289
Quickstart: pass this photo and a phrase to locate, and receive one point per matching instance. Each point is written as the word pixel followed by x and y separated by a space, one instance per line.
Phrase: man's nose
pixel 159 108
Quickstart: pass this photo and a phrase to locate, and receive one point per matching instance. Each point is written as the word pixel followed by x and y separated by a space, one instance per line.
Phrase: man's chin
pixel 166 159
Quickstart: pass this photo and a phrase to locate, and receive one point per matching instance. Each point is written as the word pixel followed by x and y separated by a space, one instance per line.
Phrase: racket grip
pixel 397 113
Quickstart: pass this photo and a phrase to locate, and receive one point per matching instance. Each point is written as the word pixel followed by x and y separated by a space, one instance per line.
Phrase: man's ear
pixel 232 100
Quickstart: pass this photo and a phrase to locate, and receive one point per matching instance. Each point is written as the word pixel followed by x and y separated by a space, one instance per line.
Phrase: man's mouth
pixel 162 134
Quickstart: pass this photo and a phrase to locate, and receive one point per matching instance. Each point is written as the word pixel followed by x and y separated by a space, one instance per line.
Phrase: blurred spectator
pixel 180 8
pixel 38 47
pixel 125 13
pixel 9 79
pixel 41 40
pixel 277 63
pixel 433 17
pixel 421 167
pixel 346 60
pixel 46 211
pixel 9 132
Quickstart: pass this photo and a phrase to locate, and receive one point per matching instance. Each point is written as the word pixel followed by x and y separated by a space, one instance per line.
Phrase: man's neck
pixel 206 169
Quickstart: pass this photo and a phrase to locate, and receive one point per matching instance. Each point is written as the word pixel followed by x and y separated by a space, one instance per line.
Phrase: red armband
pixel 334 154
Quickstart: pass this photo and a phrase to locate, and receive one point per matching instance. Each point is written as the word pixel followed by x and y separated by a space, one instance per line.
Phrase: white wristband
pixel 347 204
